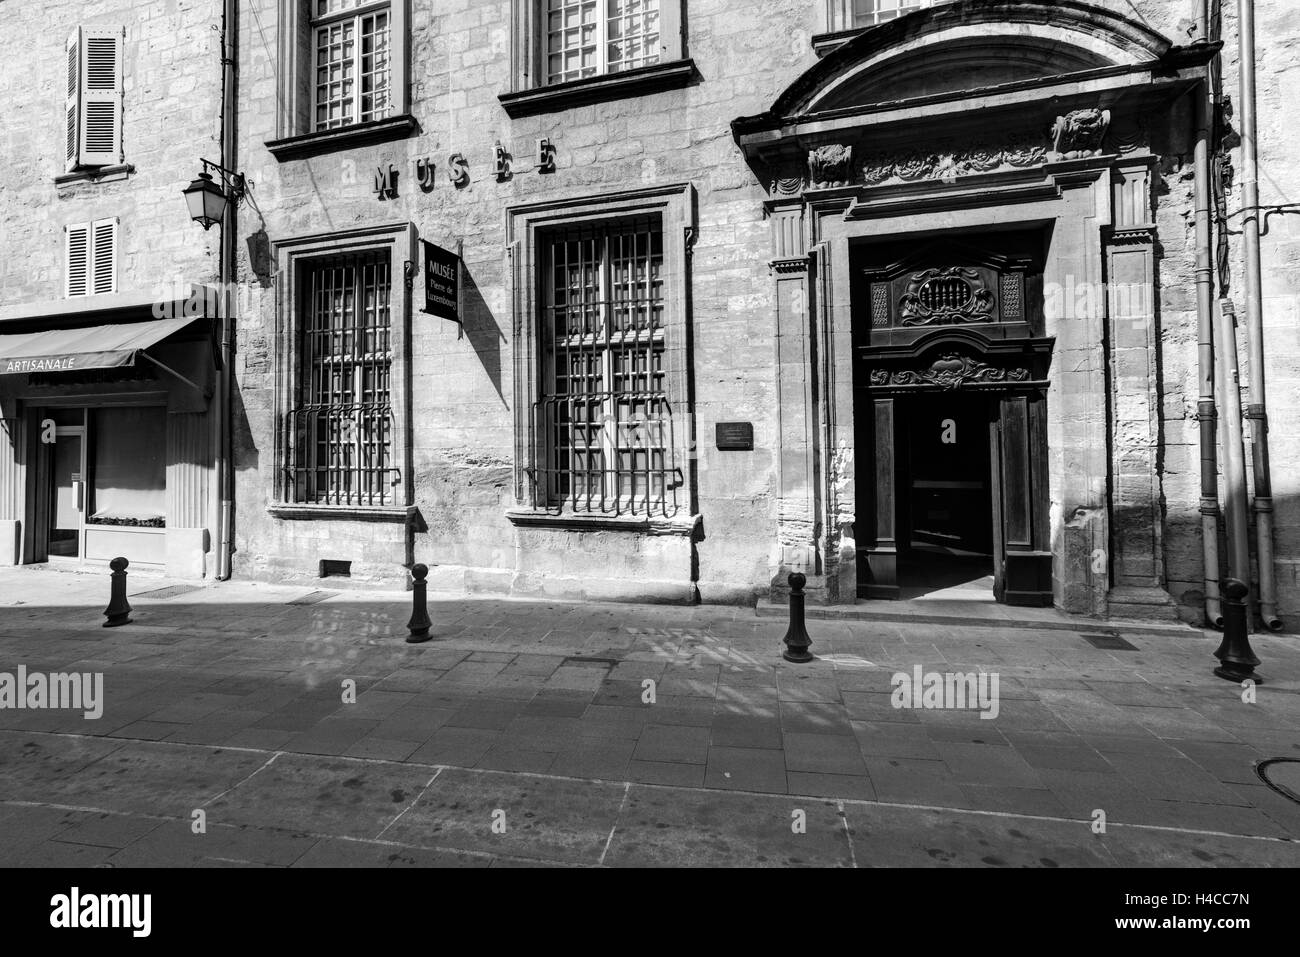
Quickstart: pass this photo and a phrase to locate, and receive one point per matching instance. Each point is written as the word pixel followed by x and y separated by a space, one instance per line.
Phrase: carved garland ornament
pixel 951 162
pixel 950 371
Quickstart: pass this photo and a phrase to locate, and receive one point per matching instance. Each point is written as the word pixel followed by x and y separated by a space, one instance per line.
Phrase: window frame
pixel 357 13
pixel 530 94
pixel 295 257
pixel 296 135
pixel 530 228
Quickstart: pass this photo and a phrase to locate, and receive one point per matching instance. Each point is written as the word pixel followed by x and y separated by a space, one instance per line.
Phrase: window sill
pixel 585 522
pixel 95 174
pixel 356 513
pixel 609 86
pixel 824 43
pixel 345 137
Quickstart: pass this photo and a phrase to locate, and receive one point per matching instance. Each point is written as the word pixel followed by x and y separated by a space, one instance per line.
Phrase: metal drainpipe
pixel 1206 412
pixel 229 227
pixel 1234 459
pixel 1256 411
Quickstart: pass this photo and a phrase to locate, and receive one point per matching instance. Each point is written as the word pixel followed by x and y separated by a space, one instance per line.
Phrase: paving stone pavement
pixel 522 734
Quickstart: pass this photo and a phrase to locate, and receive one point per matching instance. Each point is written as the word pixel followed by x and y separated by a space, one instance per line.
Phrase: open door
pixel 1022 561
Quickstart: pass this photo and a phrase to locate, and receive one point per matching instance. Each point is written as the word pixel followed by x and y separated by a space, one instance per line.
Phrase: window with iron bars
pixel 352 62
pixel 608 420
pixel 340 436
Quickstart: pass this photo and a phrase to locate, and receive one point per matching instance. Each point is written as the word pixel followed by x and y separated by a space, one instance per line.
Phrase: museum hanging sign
pixel 442 281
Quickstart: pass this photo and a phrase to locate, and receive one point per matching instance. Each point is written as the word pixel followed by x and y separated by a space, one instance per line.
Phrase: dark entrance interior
pixel 950 416
pixel 944 497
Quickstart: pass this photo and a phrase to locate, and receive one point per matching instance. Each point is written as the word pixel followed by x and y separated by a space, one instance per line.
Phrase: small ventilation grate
pixel 333 568
pixel 1108 641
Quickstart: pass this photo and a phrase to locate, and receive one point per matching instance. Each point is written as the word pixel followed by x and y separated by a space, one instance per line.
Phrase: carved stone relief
pixel 831 166
pixel 1080 133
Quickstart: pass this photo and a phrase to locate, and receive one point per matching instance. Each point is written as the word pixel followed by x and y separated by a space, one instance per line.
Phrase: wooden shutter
pixel 101 97
pixel 72 106
pixel 103 257
pixel 77 266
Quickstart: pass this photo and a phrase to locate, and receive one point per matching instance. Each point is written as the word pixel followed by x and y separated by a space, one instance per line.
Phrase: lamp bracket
pixel 236 183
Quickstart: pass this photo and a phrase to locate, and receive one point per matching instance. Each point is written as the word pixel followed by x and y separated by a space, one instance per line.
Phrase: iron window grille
pixel 339 437
pixel 588 37
pixel 352 57
pixel 606 417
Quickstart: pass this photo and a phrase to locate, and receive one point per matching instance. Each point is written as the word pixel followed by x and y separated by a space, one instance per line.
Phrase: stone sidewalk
pixel 522 734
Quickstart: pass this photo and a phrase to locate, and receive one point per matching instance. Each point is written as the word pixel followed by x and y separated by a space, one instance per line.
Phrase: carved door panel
pixel 1022 560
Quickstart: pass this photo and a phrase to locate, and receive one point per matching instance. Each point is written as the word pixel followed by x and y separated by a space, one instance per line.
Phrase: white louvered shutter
pixel 77 267
pixel 72 106
pixel 103 257
pixel 101 97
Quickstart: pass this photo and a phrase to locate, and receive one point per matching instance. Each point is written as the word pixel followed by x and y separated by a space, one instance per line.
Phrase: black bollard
pixel 419 623
pixel 796 636
pixel 118 611
pixel 1237 659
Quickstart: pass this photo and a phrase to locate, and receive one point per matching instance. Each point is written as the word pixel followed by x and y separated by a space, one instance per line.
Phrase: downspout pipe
pixel 1206 410
pixel 229 228
pixel 1256 411
pixel 1234 460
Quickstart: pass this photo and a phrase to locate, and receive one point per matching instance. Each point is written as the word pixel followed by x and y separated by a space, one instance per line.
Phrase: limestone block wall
pixel 170 118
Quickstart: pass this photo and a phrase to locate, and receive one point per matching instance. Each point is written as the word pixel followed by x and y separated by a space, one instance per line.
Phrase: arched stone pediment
pixel 969 45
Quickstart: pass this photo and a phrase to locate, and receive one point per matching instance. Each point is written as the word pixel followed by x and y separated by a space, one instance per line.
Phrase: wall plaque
pixel 735 436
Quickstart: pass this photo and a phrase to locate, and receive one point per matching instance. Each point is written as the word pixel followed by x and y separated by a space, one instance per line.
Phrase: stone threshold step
pixel 1003 618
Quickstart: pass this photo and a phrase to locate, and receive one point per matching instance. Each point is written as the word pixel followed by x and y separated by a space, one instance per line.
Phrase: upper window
pixel 868 13
pixel 566 52
pixel 352 46
pixel 342 75
pixel 856 14
pixel 587 37
pixel 93 109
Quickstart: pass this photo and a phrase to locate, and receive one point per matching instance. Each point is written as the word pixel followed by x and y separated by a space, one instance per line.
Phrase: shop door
pixel 67 496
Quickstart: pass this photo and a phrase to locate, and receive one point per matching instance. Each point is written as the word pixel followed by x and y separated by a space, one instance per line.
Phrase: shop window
pixel 340 432
pixel 93 107
pixel 90 267
pixel 129 467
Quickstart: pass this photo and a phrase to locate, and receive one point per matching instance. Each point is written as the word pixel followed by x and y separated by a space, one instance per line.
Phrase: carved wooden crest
pixel 951 370
pixel 951 296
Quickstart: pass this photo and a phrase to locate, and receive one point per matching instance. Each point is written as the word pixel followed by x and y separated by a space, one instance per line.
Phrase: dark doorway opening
pixel 945 497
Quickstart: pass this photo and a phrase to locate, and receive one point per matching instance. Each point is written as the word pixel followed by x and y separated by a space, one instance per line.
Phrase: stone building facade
pixel 107 323
pixel 890 294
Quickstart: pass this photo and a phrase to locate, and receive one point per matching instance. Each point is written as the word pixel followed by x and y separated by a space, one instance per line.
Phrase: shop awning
pixel 90 347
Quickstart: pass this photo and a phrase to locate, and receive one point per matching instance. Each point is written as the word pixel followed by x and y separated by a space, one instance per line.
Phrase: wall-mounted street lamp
pixel 206 200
